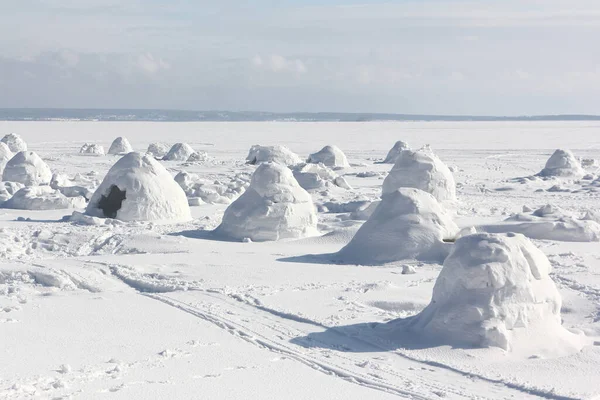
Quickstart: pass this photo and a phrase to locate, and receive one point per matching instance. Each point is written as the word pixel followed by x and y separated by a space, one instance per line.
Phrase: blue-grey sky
pixel 499 57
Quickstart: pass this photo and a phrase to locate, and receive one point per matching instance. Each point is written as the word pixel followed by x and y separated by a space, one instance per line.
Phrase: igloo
pixel 42 198
pixel 27 168
pixel 157 150
pixel 179 152
pixel 273 207
pixel 494 290
pixel 120 146
pixel 318 176
pixel 14 142
pixel 562 163
pixel 92 149
pixel 421 169
pixel 278 154
pixel 5 156
pixel 330 156
pixel 407 224
pixel 395 151
pixel 139 188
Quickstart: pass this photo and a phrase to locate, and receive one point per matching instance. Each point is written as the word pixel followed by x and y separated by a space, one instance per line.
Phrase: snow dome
pixel 179 152
pixel 27 168
pixel 423 170
pixel 5 156
pixel 273 207
pixel 562 163
pixel 14 142
pixel 318 176
pixel 139 188
pixel 157 150
pixel 92 149
pixel 278 154
pixel 330 156
pixel 394 152
pixel 407 224
pixel 120 146
pixel 494 290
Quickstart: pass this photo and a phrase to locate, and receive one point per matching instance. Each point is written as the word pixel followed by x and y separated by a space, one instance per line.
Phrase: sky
pixel 452 57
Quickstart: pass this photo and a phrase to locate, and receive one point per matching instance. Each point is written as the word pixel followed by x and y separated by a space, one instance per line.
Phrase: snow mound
pixel 273 207
pixel 407 224
pixel 494 290
pixel 5 156
pixel 42 198
pixel 394 152
pixel 179 152
pixel 139 188
pixel 157 150
pixel 213 192
pixel 198 156
pixel 548 223
pixel 423 170
pixel 562 163
pixel 92 149
pixel 330 156
pixel 8 190
pixel 120 146
pixel 277 154
pixel 317 176
pixel 14 142
pixel 27 168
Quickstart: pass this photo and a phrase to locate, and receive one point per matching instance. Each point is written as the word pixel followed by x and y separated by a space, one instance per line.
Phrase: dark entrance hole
pixel 111 203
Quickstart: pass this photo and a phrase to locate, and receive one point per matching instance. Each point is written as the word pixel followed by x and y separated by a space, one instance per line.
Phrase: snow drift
pixel 277 154
pixel 330 156
pixel 14 142
pixel 179 152
pixel 318 176
pixel 395 151
pixel 92 149
pixel 423 170
pixel 494 290
pixel 273 207
pixel 562 163
pixel 139 188
pixel 157 150
pixel 407 224
pixel 42 198
pixel 5 156
pixel 27 168
pixel 120 146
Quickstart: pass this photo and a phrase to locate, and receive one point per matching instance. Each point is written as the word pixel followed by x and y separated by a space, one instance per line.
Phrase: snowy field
pixel 142 310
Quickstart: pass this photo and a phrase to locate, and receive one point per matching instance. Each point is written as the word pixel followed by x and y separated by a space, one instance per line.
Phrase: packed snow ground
pixel 126 310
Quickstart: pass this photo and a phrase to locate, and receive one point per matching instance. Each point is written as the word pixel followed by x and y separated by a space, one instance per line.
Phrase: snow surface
pixel 278 153
pixel 151 194
pixel 273 207
pixel 407 224
pixel 27 168
pixel 421 169
pixel 101 308
pixel 120 146
pixel 331 156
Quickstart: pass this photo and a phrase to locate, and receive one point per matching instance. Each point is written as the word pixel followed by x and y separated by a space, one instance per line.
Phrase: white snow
pixel 331 156
pixel 27 168
pixel 394 153
pixel 407 224
pixel 421 169
pixel 158 150
pixel 273 207
pixel 42 198
pixel 14 142
pixel 139 188
pixel 562 163
pixel 495 290
pixel 92 149
pixel 179 152
pixel 120 146
pixel 279 154
pixel 317 177
pixel 5 156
